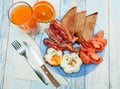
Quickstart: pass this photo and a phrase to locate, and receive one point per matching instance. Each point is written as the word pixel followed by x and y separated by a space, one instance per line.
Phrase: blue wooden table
pixel 105 76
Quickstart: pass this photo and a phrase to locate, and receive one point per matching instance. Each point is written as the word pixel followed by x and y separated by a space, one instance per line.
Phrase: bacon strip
pixel 60 38
pixel 68 46
pixel 58 28
pixel 51 43
pixel 53 36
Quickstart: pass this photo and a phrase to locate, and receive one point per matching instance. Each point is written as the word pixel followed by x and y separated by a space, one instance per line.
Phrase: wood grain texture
pixel 103 15
pixel 76 82
pixel 114 35
pixel 9 81
pixel 4 34
pixel 99 78
pixel 81 5
pixel 105 76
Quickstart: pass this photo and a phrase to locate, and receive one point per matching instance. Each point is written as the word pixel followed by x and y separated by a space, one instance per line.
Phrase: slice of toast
pixel 69 20
pixel 89 26
pixel 80 23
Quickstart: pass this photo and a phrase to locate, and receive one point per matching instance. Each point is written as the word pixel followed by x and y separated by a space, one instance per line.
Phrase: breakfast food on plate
pixel 93 45
pixel 60 37
pixel 89 26
pixel 44 11
pixel 80 23
pixel 69 20
pixel 53 57
pixel 71 63
pixel 74 28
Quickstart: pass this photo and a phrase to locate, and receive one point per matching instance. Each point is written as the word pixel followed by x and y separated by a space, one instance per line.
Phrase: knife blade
pixel 41 63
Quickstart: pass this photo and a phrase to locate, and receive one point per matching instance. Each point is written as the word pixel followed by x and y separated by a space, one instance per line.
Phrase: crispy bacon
pixel 58 28
pixel 59 37
pixel 51 43
pixel 53 36
pixel 68 46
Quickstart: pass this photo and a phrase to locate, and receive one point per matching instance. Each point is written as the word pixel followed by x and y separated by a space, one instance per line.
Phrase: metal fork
pixel 22 51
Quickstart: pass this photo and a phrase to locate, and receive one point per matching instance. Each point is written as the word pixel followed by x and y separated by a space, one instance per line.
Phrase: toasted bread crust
pixel 80 23
pixel 89 26
pixel 69 20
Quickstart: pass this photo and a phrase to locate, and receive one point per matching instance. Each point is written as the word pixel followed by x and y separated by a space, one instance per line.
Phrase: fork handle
pixel 50 76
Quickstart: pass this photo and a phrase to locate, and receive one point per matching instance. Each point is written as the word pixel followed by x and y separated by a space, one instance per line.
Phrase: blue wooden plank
pixel 81 5
pixel 76 82
pixel 102 20
pixel 64 7
pixel 1 60
pixel 13 33
pixel 12 83
pixel 114 36
pixel 39 85
pixel 99 80
pixel 4 34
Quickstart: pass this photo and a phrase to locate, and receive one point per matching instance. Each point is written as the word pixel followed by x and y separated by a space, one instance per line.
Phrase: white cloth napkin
pixel 24 71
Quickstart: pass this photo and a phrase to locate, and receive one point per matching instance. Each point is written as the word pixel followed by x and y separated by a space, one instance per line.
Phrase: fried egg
pixel 53 57
pixel 71 63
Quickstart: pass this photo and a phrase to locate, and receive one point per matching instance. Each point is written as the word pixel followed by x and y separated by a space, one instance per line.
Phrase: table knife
pixel 41 63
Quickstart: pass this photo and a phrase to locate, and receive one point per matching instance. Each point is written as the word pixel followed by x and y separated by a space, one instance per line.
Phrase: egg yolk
pixel 72 63
pixel 56 59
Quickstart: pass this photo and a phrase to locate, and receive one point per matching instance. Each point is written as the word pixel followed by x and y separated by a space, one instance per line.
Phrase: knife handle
pixel 50 76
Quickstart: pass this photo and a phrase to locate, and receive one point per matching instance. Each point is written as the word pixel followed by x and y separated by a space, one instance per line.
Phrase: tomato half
pixel 96 45
pixel 85 58
pixel 95 58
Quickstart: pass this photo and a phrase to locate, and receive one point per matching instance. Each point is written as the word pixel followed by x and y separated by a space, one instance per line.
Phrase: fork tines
pixel 16 44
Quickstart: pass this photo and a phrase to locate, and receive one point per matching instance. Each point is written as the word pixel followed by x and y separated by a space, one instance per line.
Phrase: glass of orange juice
pixel 21 14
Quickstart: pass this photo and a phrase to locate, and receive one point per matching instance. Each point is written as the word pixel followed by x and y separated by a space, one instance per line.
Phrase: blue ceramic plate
pixel 85 68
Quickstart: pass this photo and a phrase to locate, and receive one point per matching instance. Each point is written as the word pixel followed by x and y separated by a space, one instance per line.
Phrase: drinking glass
pixel 21 14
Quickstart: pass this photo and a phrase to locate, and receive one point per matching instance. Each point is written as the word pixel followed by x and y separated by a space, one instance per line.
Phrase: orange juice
pixel 22 15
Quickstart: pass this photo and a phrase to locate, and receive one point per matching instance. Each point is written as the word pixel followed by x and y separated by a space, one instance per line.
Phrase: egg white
pixel 50 53
pixel 66 60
